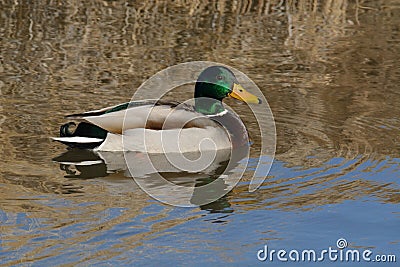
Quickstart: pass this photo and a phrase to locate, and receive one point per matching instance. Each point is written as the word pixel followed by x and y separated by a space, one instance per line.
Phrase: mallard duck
pixel 157 126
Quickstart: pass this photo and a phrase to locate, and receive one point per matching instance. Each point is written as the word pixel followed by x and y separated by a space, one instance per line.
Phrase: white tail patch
pixel 77 139
pixel 82 163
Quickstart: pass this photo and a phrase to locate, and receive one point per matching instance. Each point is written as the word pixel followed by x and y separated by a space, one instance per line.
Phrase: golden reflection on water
pixel 329 70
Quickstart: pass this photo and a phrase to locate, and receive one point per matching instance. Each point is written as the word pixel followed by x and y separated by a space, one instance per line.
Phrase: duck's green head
pixel 214 84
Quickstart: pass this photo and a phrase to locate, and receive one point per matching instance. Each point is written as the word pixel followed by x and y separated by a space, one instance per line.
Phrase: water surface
pixel 330 72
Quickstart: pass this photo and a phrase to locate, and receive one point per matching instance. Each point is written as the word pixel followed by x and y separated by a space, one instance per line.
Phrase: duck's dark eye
pixel 219 77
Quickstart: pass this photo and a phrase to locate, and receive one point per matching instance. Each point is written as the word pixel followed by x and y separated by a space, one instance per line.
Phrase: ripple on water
pixel 324 157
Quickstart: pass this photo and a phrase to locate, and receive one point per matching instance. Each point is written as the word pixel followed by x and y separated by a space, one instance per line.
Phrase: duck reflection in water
pixel 89 164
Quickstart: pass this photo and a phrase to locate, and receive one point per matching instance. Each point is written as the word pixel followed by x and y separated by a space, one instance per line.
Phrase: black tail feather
pixel 65 131
pixel 83 129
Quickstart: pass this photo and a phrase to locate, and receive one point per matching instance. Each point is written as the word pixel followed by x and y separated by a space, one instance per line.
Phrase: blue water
pixel 230 232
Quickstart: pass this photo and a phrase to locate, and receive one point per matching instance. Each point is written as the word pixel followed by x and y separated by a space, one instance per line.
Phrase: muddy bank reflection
pixel 328 70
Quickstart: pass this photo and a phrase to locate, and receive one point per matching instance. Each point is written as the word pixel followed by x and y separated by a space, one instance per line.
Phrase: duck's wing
pixel 147 114
pixel 103 111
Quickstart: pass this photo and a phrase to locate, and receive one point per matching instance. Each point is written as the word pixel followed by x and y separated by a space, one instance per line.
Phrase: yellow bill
pixel 238 92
